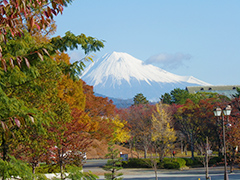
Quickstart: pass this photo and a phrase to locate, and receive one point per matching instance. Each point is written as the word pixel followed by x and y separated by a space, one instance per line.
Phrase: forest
pixel 48 114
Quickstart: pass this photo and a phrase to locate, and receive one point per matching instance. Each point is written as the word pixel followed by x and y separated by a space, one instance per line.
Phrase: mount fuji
pixel 120 75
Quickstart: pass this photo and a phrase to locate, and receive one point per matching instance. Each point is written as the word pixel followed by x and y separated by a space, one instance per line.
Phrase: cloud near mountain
pixel 120 75
pixel 169 61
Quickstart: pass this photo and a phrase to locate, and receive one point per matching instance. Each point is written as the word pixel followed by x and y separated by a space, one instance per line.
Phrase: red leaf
pixel 39 28
pixel 5 2
pixel 4 65
pixel 17 122
pixel 3 125
pixel 60 9
pixel 54 12
pixel 32 22
pixel 27 62
pixel 19 60
pixel 46 51
pixel 40 56
pixel 46 14
pixel 32 119
pixel 11 62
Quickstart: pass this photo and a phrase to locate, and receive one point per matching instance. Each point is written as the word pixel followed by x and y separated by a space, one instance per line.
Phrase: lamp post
pixel 217 112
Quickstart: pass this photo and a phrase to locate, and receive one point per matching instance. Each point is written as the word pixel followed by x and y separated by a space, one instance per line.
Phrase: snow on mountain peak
pixel 120 72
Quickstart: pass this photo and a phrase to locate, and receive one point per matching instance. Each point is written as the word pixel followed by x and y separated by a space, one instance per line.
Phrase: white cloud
pixel 169 61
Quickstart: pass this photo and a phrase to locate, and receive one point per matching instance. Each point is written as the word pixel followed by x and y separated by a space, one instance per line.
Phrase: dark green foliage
pixel 216 160
pixel 140 99
pixel 166 98
pixel 167 163
pixel 113 165
pixel 136 163
pixel 237 95
pixel 197 162
pixel 173 163
pixel 191 163
pixel 179 96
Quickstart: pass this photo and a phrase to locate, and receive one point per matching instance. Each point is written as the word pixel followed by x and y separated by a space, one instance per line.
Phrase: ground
pixel 99 149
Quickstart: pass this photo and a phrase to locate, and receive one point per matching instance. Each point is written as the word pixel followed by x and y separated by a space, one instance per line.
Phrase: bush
pixel 171 165
pixel 181 162
pixel 50 168
pixel 191 163
pixel 168 163
pixel 216 160
pixel 136 163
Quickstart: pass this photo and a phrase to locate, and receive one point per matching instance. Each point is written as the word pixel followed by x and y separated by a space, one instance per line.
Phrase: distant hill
pixel 121 76
pixel 119 103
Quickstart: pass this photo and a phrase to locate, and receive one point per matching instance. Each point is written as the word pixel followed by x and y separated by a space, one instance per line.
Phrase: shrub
pixel 181 162
pixel 191 163
pixel 168 163
pixel 136 163
pixel 171 165
pixel 51 168
pixel 47 168
pixel 216 160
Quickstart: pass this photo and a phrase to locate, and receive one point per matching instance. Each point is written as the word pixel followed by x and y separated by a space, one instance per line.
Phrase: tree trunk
pixel 192 147
pixel 232 160
pixel 4 152
pixel 145 152
pixel 130 148
pixel 60 155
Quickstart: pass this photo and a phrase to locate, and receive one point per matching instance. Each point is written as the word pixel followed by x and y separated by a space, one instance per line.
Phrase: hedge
pixel 167 163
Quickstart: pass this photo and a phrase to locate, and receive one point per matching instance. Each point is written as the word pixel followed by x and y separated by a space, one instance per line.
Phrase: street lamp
pixel 217 112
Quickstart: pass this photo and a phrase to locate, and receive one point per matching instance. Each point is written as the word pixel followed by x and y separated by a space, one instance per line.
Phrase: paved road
pixel 216 173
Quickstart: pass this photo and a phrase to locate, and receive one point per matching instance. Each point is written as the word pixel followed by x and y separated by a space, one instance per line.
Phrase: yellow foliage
pixel 121 133
pixel 161 129
pixel 72 92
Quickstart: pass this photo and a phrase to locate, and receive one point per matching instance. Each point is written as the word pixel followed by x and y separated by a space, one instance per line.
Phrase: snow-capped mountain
pixel 120 75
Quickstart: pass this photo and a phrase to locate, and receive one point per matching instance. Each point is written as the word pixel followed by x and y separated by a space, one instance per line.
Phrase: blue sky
pixel 190 38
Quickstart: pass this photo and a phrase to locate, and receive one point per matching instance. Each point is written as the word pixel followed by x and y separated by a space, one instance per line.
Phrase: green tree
pixel 29 98
pixel 179 96
pixel 113 164
pixel 140 99
pixel 237 95
pixel 166 98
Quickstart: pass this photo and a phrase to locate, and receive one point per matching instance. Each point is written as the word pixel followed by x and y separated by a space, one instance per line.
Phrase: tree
pixel 196 122
pixel 163 135
pixel 140 99
pixel 179 96
pixel 101 111
pixel 121 133
pixel 29 97
pixel 35 14
pixel 166 98
pixel 113 164
pixel 17 16
pixel 139 120
pixel 237 95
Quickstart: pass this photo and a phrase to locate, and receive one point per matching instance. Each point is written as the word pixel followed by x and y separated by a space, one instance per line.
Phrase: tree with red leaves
pixel 101 110
pixel 139 120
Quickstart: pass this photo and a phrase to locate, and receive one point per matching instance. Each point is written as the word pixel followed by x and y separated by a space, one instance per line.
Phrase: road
pixel 216 173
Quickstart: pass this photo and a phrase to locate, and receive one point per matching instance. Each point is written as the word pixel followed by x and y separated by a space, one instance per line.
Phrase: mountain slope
pixel 120 75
